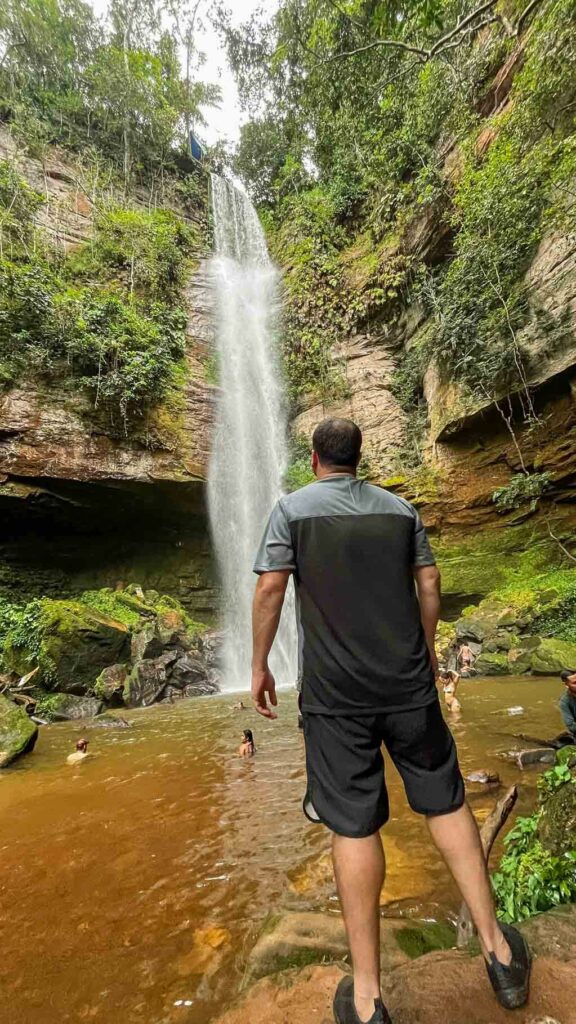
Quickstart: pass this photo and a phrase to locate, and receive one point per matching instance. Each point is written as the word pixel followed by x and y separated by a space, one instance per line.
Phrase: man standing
pixel 368 596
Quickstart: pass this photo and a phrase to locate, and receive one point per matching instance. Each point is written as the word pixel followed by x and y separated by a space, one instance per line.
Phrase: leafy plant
pixel 530 879
pixel 523 489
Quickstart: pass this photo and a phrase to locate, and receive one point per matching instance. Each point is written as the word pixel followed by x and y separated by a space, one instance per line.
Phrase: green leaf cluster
pixel 530 879
pixel 523 489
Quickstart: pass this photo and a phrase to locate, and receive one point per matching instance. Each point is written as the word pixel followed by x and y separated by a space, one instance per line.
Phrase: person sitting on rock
pixel 80 754
pixel 247 748
pixel 567 702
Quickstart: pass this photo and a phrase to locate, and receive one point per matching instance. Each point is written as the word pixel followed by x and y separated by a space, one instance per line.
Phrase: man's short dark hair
pixel 337 442
pixel 567 673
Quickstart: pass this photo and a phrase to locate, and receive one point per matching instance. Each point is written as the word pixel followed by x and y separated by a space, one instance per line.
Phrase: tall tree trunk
pixel 126 130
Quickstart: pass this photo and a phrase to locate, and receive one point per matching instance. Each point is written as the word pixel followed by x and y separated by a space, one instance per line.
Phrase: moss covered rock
pixel 492 664
pixel 66 707
pixel 567 755
pixel 70 642
pixel 557 827
pixel 552 656
pixel 109 686
pixel 18 733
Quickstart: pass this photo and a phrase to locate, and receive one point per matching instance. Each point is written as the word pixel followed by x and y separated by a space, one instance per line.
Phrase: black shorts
pixel 346 787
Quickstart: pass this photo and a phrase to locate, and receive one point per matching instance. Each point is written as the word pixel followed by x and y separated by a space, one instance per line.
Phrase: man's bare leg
pixel 359 867
pixel 456 836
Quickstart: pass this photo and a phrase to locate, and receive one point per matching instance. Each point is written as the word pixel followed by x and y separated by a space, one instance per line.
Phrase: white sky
pixel 223 122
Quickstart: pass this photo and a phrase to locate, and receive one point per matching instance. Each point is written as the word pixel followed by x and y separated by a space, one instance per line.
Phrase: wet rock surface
pixel 443 987
pixel 18 733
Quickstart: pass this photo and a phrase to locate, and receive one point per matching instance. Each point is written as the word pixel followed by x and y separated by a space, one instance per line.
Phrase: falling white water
pixel 249 453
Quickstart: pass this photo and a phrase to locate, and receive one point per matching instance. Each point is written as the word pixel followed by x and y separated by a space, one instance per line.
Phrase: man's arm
pixel 567 713
pixel 266 609
pixel 428 587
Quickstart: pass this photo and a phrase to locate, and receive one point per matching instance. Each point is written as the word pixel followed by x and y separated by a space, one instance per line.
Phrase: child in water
pixel 247 748
pixel 80 754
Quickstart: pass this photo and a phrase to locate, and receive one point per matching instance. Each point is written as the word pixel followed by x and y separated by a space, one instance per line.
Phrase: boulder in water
pixel 18 733
pixel 145 642
pixel 109 686
pixel 539 755
pixel 107 722
pixel 492 664
pixel 66 707
pixel 485 777
pixel 148 680
pixel 187 671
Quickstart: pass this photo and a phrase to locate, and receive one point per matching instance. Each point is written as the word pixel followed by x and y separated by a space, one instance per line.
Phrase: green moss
pixel 424 938
pixel 492 664
pixel 68 641
pixel 117 605
pixel 17 732
pixel 300 958
pixel 567 756
pixel 508 563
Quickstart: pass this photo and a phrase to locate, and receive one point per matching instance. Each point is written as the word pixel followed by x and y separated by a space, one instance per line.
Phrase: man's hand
pixel 434 660
pixel 263 683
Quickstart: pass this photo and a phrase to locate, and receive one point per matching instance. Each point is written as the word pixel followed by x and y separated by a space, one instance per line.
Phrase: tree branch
pixel 464 28
pixel 525 15
pixel 558 541
pixel 357 24
pixel 462 25
pixel 376 43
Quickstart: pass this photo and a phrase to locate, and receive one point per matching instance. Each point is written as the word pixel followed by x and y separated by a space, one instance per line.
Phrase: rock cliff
pixel 67 472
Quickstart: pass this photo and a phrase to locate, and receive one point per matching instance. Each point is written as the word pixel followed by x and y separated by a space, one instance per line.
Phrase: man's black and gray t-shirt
pixel 352 548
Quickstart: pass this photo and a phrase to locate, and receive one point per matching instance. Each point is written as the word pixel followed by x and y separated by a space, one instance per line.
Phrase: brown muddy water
pixel 134 885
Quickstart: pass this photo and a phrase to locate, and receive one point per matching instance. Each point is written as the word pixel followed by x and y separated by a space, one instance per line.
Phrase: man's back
pixel 353 547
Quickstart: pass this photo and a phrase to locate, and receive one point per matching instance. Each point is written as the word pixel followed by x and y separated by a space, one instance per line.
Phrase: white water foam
pixel 249 451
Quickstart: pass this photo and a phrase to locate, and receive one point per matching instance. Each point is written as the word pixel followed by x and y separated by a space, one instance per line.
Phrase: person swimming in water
pixel 80 754
pixel 247 748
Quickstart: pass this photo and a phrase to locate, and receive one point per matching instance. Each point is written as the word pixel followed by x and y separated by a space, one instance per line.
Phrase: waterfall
pixel 249 450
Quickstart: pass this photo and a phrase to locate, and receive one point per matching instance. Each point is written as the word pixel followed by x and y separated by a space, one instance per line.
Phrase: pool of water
pixel 133 885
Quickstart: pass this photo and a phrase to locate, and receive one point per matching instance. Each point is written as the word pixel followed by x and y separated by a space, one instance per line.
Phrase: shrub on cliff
pixel 108 315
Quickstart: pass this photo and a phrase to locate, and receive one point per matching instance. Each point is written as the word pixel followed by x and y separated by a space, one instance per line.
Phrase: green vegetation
pixel 111 87
pixel 523 489
pixel 108 314
pixel 538 870
pixel 355 107
pixel 299 472
pixel 418 939
pixel 73 641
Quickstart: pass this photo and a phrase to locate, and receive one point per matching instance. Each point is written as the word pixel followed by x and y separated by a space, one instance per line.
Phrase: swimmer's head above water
pixel 247 736
pixel 82 746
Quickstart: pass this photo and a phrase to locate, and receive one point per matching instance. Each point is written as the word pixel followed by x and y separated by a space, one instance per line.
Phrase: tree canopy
pixel 115 84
